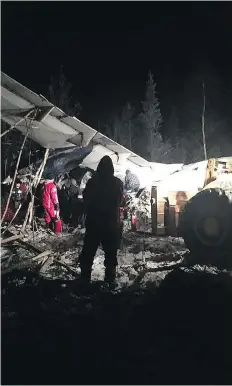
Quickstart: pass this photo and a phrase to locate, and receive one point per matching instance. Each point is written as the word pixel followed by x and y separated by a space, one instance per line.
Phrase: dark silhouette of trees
pixel 60 94
pixel 151 118
pixel 122 128
pixel 178 138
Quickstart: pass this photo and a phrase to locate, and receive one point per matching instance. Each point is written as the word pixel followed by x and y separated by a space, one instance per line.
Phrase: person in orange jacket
pixel 50 201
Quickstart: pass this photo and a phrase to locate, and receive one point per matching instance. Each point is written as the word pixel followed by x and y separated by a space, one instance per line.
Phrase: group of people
pixel 70 197
pixel 63 196
pixel 102 197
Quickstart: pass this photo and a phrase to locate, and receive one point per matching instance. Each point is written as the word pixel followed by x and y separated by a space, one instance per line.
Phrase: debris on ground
pixel 138 252
pixel 163 313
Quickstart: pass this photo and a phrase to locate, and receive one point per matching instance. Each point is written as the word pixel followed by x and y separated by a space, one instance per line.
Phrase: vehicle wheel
pixel 206 223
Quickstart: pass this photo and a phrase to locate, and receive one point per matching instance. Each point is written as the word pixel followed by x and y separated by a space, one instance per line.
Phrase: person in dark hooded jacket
pixel 102 198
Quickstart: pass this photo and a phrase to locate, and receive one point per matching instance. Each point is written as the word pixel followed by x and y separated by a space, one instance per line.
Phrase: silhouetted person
pixel 131 181
pixel 102 198
pixel 19 193
pixel 64 200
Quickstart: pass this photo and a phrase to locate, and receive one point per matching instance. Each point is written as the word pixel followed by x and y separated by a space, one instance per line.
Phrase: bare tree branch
pixel 203 123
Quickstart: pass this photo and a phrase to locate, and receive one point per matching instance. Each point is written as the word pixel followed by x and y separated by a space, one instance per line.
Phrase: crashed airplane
pixel 51 128
pixel 164 188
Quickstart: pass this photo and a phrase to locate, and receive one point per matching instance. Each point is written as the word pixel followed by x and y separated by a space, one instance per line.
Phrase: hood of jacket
pixel 105 167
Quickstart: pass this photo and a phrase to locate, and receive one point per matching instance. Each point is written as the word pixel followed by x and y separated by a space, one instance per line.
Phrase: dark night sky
pixel 108 48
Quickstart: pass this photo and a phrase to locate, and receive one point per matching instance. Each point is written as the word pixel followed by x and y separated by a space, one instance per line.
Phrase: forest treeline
pixel 177 138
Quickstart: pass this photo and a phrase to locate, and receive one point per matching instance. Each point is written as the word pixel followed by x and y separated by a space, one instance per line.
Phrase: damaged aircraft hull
pixel 60 162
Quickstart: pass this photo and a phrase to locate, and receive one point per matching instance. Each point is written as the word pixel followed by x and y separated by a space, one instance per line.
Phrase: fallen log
pixel 45 264
pixel 11 238
pixel 159 269
pixel 71 270
pixel 19 238
pixel 26 264
pixel 42 255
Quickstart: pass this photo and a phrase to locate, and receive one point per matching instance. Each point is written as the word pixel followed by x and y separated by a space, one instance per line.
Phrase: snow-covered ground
pixel 157 318
pixel 142 261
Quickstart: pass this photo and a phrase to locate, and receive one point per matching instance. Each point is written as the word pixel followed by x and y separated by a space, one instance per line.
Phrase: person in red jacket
pixel 50 201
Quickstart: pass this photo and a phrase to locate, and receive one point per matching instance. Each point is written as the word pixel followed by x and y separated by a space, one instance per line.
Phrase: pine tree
pixel 128 127
pixel 172 125
pixel 60 94
pixel 121 127
pixel 152 120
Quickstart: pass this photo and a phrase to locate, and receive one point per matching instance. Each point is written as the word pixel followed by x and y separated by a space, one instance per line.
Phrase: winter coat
pixel 131 181
pixel 74 189
pixel 102 196
pixel 18 194
pixel 50 198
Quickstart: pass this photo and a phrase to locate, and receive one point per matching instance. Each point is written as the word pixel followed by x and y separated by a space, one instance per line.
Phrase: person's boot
pixel 83 284
pixel 86 275
pixel 110 275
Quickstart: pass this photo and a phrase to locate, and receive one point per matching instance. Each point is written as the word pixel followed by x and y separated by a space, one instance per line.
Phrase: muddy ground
pixel 172 325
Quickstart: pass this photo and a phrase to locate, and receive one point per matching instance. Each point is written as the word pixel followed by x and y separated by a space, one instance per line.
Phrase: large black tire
pixel 206 224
